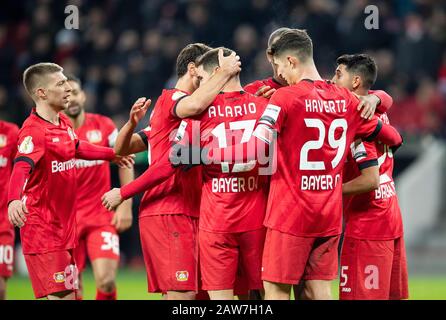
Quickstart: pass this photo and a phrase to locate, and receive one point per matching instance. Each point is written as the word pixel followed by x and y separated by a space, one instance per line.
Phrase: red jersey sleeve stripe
pixel 375 133
pixel 367 164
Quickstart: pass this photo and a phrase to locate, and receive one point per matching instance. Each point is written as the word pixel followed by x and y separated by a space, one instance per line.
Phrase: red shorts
pixel 52 272
pixel 6 253
pixel 170 250
pixel 373 269
pixel 289 259
pixel 97 242
pixel 225 257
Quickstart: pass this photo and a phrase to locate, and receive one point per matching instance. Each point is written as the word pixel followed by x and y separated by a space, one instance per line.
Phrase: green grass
pixel 132 285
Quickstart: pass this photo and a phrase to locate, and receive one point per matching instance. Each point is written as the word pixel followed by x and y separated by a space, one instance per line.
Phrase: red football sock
pixel 105 296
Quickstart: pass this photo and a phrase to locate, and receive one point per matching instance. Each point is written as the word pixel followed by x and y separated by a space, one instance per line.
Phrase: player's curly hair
pixel 296 40
pixel 360 64
pixel 188 54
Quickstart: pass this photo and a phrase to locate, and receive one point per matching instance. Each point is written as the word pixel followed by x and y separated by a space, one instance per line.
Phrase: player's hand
pixel 230 64
pixel 265 91
pixel 368 105
pixel 16 213
pixel 186 156
pixel 112 199
pixel 123 218
pixel 139 110
pixel 125 161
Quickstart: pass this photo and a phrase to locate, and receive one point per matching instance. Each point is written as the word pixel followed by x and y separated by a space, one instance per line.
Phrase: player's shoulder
pixel 174 94
pixel 335 89
pixel 10 127
pixel 100 118
pixel 287 94
pixel 63 117
pixel 252 87
pixel 32 123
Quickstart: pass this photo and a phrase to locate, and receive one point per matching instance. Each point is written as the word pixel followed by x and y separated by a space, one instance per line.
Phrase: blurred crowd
pixel 127 49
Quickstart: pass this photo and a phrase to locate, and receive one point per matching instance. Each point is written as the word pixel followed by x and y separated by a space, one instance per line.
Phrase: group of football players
pixel 248 188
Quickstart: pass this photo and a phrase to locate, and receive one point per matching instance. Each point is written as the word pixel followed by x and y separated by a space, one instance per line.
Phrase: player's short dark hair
pixel 32 76
pixel 296 40
pixel 209 60
pixel 72 77
pixel 189 54
pixel 276 34
pixel 362 65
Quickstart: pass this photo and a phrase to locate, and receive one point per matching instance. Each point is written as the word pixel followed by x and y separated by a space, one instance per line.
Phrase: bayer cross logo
pixel 182 276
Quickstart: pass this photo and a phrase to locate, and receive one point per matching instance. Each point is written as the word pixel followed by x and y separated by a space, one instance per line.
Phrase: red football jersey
pixel 93 176
pixel 50 192
pixel 374 215
pixel 8 147
pixel 253 87
pixel 233 195
pixel 316 122
pixel 180 194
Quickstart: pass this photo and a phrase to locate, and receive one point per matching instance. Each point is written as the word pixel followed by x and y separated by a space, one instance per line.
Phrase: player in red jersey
pixel 233 202
pixel 168 216
pixel 373 257
pixel 97 228
pixel 268 86
pixel 315 122
pixel 8 143
pixel 42 190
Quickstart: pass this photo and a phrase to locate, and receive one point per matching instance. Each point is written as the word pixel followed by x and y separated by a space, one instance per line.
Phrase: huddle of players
pixel 303 219
pixel 300 204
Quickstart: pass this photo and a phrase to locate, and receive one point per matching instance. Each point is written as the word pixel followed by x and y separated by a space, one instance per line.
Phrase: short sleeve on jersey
pixel 364 154
pixel 369 130
pixel 177 97
pixel 31 146
pixel 275 112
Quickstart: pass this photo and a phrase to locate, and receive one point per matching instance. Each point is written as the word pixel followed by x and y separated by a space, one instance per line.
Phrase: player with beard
pixel 98 228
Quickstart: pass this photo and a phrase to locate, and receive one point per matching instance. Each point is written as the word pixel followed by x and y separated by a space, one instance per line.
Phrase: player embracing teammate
pixel 373 257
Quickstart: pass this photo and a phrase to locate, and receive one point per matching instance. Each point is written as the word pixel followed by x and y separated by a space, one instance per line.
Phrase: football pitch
pixel 132 285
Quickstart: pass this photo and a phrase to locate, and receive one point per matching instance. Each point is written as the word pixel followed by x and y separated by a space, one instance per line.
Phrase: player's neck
pixel 361 92
pixel 184 84
pixel 79 120
pixel 233 85
pixel 48 113
pixel 310 72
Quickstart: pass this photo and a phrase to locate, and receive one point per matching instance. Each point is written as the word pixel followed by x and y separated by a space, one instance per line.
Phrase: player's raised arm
pixel 127 141
pixel 197 102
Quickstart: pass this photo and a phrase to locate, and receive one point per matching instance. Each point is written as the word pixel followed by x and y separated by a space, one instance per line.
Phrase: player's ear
pixel 83 96
pixel 215 70
pixel 192 69
pixel 40 93
pixel 356 82
pixel 292 61
pixel 269 55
